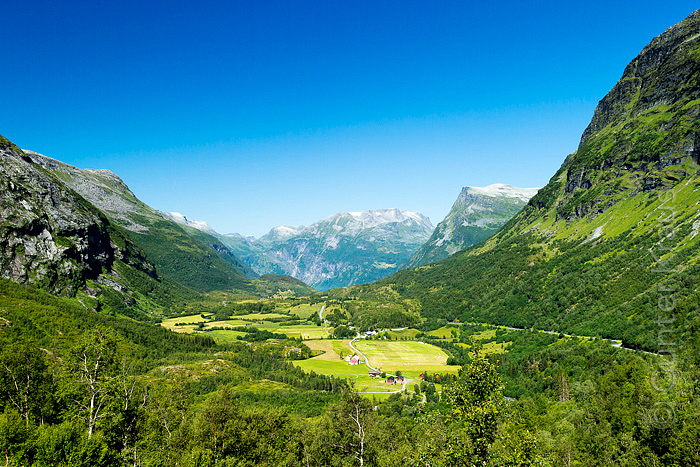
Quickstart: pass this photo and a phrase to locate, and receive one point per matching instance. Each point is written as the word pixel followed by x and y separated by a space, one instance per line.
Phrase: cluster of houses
pixel 395 380
pixel 390 379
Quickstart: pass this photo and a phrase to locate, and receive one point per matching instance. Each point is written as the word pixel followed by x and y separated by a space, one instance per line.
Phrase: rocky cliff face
pixel 648 122
pixel 104 189
pixel 344 249
pixel 191 256
pixel 50 236
pixel 477 214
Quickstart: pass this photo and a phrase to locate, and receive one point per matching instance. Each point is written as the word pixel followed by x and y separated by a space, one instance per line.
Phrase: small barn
pixel 354 360
pixel 391 379
pixel 399 379
pixel 374 373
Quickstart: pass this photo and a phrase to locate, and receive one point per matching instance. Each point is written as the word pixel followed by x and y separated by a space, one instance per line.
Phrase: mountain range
pixel 358 247
pixel 343 249
pixel 608 248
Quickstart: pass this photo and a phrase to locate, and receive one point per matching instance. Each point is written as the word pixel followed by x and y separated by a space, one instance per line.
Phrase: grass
pixel 410 357
pixel 190 323
pixel 305 331
pixel 170 322
pixel 226 335
pixel 177 324
pixel 260 316
pixel 494 347
pixel 305 311
pixel 358 374
pixel 409 333
pixel 331 348
pixel 329 363
pixel 444 332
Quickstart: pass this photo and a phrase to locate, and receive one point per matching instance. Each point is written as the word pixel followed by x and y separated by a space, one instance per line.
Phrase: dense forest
pixel 86 389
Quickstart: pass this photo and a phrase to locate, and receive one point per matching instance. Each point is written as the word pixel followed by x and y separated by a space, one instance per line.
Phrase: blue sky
pixel 252 114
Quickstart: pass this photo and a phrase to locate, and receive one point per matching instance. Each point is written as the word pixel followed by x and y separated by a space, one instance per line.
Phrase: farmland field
pixel 444 332
pixel 330 363
pixel 178 324
pixel 260 316
pixel 305 311
pixel 305 331
pixel 410 357
pixel 331 348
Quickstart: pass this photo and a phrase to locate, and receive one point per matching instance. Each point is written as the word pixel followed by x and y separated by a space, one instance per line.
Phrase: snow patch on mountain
pixel 182 220
pixel 501 190
pixel 250 238
pixel 477 213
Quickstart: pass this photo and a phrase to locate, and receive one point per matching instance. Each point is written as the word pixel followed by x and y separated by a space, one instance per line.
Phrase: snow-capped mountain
pixel 477 214
pixel 180 219
pixel 280 233
pixel 344 249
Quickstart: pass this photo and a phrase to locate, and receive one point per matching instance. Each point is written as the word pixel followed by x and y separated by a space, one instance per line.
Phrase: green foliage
pixel 189 262
pixel 25 382
pixel 475 401
pixel 343 332
pixel 372 314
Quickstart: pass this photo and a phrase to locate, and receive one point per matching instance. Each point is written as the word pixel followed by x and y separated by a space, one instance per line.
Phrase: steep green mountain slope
pixel 610 245
pixel 198 261
pixel 477 214
pixel 201 231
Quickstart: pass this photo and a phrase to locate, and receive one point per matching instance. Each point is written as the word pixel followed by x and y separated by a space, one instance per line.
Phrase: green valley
pixel 569 337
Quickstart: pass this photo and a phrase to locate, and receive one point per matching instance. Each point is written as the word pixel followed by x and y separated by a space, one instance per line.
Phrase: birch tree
pixel 347 431
pixel 25 382
pixel 94 361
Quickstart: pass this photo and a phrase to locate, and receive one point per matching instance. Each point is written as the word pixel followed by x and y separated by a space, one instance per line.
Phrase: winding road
pixel 613 342
pixel 405 381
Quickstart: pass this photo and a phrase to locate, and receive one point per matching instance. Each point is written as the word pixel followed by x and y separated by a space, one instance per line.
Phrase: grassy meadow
pixel 399 350
pixel 411 358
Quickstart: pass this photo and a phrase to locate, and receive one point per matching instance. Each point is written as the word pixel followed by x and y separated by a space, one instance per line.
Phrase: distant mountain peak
pixel 182 220
pixel 343 249
pixel 502 190
pixel 477 214
pixel 377 217
pixel 249 238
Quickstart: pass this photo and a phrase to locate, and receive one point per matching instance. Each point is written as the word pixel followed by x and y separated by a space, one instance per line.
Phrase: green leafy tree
pixel 25 381
pixel 218 428
pixel 345 436
pixel 476 404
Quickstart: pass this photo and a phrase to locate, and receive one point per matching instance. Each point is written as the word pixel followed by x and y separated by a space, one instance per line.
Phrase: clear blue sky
pixel 252 114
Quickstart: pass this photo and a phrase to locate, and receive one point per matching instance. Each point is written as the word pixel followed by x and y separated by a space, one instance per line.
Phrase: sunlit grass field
pixel 411 358
pixel 330 363
pixel 305 331
pixel 305 311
